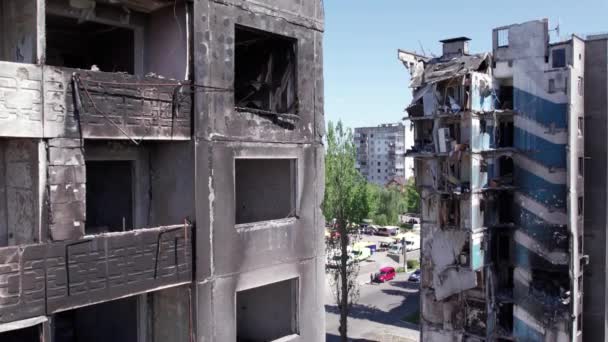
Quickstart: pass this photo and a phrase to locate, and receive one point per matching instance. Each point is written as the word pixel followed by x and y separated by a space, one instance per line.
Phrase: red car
pixel 385 274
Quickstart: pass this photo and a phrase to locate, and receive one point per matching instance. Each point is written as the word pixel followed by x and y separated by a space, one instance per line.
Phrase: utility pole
pixel 404 247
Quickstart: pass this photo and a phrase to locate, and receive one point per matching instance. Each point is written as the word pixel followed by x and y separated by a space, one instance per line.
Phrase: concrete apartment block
pixel 380 153
pixel 161 170
pixel 499 163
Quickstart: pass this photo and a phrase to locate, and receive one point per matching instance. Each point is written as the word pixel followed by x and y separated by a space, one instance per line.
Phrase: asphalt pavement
pixel 378 314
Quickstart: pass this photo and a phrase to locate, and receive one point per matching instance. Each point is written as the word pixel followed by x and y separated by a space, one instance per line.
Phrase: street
pixel 378 314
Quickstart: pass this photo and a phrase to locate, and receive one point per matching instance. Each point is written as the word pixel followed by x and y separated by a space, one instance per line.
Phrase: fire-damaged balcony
pixel 52 102
pixel 96 69
pixel 37 280
pixel 449 85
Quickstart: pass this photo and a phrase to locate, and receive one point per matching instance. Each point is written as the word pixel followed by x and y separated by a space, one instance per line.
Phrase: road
pixel 378 314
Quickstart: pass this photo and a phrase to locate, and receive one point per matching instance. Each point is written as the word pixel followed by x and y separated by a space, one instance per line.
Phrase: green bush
pixel 400 270
pixel 413 264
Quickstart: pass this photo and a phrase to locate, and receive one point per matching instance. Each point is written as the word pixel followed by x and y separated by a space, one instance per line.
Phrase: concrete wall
pixel 596 164
pixel 232 258
pixel 171 179
pixel 18 24
pixel 19 192
pixel 165 47
pixel 170 313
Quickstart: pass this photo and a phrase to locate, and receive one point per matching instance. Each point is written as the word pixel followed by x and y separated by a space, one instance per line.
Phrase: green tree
pixel 412 197
pixel 346 201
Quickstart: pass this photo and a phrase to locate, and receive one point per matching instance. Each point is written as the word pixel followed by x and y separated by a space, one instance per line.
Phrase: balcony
pixel 40 279
pixel 40 101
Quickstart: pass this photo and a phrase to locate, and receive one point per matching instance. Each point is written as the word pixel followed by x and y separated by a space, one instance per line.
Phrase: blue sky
pixel 365 84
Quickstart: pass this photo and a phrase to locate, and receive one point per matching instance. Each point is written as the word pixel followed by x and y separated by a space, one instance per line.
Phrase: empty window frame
pixel 580 206
pixel 581 166
pixel 558 57
pixel 109 198
pixel 267 313
pixel 503 37
pixel 580 86
pixel 29 334
pixel 265 189
pixel 74 44
pixel 551 86
pixel 581 126
pixel 505 97
pixel 265 71
pixel 115 321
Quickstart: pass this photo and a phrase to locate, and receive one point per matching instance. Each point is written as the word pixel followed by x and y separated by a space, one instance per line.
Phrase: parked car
pixel 383 232
pixel 384 245
pixel 385 274
pixel 415 277
pixel 361 253
pixel 395 249
pixel 334 259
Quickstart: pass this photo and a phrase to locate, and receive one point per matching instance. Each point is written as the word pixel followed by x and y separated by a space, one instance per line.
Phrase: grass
pixel 413 318
pixel 406 227
pixel 413 265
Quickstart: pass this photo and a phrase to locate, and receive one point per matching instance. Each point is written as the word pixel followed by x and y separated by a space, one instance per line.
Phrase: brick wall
pixel 141 106
pixel 66 185
pixel 20 100
pixel 101 268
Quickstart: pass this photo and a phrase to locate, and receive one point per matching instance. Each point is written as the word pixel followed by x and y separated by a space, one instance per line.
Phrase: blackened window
pixel 74 44
pixel 258 182
pixel 581 125
pixel 109 197
pixel 580 166
pixel 580 206
pixel 483 126
pixel 265 71
pixel 559 58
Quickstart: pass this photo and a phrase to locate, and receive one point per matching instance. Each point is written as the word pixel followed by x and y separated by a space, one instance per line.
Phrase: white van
pixel 395 249
pixel 412 244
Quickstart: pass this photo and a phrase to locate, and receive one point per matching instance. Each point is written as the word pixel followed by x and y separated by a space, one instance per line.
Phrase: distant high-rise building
pixel 380 152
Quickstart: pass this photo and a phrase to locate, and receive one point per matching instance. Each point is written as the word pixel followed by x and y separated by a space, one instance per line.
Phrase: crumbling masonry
pixel 499 158
pixel 161 170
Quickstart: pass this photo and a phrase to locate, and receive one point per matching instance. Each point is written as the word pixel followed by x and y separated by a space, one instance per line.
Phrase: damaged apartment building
pixel 499 158
pixel 161 170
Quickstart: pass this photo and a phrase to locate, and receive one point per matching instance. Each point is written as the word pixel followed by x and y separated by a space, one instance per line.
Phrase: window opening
pixel 89 45
pixel 503 37
pixel 109 196
pixel 267 313
pixel 265 71
pixel 262 181
pixel 559 58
